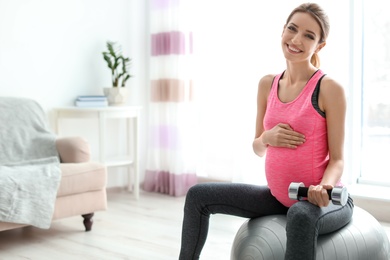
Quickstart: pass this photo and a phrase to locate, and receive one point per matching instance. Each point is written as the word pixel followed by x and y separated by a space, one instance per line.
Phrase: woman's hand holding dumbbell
pixel 318 195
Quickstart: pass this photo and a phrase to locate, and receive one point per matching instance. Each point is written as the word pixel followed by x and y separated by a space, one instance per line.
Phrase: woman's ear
pixel 320 46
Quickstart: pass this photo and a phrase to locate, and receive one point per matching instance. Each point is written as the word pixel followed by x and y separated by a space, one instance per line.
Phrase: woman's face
pixel 300 38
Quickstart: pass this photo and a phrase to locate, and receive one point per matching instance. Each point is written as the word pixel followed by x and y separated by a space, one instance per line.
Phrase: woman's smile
pixel 293 49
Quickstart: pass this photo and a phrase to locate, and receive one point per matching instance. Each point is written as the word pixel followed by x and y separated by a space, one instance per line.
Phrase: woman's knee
pixel 195 191
pixel 302 215
pixel 192 194
pixel 203 199
pixel 197 195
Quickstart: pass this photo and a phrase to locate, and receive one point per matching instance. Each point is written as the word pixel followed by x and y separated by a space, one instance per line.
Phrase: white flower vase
pixel 116 96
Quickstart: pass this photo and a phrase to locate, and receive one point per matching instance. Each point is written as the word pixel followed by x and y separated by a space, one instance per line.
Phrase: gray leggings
pixel 305 221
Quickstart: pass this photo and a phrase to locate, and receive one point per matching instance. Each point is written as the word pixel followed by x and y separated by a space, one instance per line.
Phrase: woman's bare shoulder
pixel 265 82
pixel 267 79
pixel 332 95
pixel 331 86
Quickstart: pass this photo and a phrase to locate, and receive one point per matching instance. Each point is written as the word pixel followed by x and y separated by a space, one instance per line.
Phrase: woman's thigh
pixel 243 200
pixel 325 219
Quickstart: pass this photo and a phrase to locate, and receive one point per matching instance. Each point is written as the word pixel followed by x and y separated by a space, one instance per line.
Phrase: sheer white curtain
pixel 172 147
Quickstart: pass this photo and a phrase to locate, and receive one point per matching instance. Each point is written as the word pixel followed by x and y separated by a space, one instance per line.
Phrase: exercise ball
pixel 362 238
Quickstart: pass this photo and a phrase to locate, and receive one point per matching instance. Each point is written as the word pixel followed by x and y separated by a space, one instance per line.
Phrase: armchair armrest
pixel 73 149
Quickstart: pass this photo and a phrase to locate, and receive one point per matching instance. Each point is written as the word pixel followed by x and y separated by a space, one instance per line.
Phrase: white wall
pixel 51 51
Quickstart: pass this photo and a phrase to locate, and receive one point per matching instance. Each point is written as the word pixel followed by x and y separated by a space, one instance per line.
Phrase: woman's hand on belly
pixel 282 135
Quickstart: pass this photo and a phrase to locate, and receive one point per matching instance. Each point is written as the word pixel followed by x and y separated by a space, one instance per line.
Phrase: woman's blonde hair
pixel 322 19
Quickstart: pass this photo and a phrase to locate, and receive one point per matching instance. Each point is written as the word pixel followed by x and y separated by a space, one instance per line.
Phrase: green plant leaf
pixel 114 59
pixel 125 79
pixel 107 59
pixel 111 48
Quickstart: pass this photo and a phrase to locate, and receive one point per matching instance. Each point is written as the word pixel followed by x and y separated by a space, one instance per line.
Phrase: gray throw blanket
pixel 29 164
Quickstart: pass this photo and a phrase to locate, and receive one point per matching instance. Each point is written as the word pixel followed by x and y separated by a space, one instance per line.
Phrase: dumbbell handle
pixel 338 195
pixel 303 191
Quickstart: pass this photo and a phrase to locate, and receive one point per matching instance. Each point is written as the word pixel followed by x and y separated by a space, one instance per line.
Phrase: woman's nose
pixel 296 39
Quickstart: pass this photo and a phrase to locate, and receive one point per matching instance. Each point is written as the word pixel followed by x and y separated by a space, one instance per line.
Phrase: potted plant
pixel 118 65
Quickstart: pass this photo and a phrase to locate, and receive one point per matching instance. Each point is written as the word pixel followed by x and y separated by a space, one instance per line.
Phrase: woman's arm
pixel 264 87
pixel 332 101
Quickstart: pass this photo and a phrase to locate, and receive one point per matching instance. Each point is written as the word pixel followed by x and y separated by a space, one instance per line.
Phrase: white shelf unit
pixel 131 114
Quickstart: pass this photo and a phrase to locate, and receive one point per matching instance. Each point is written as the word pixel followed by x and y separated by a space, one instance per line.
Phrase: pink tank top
pixel 307 163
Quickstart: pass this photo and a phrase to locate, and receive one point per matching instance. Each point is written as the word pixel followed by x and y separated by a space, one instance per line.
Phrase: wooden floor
pixel 149 228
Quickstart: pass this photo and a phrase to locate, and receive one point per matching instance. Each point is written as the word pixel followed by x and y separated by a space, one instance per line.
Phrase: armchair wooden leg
pixel 88 221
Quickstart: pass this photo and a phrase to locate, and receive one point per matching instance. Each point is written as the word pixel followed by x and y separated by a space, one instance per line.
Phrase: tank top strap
pixel 275 82
pixel 312 83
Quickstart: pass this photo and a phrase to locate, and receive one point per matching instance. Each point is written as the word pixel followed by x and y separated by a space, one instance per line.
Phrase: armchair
pixel 82 186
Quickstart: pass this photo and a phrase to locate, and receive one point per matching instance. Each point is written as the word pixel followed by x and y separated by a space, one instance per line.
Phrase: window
pixel 375 109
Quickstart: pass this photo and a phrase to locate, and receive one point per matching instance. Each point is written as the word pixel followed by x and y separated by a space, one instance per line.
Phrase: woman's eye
pixel 292 28
pixel 311 37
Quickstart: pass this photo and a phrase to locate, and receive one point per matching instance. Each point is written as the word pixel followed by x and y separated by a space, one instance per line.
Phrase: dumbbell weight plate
pixel 339 195
pixel 294 189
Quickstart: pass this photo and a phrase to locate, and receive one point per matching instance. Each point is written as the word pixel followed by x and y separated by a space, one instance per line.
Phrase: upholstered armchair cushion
pixel 73 149
pixel 81 177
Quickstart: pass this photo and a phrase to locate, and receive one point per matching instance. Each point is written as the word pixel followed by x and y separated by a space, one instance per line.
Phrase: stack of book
pixel 91 101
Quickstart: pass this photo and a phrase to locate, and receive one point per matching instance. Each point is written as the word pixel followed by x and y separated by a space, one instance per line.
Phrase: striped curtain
pixel 172 148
